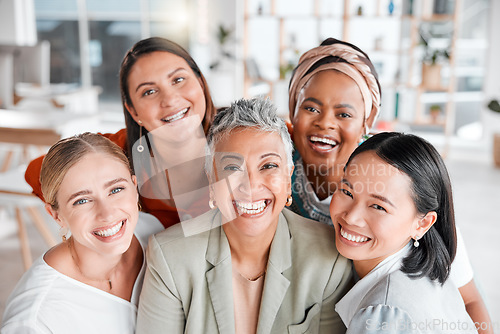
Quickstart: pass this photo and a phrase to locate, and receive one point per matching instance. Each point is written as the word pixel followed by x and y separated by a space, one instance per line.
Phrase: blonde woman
pixel 90 282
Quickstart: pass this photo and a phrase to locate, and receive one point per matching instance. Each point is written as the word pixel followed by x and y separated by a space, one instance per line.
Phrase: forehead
pixel 155 62
pixel 94 167
pixel 367 172
pixel 249 142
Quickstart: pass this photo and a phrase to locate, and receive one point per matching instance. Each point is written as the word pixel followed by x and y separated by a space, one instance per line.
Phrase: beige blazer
pixel 188 284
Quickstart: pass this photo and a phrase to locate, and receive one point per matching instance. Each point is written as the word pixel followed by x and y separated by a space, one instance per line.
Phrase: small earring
pixel 140 148
pixel 139 206
pixel 416 243
pixel 211 204
pixel 289 200
pixel 62 233
pixel 364 137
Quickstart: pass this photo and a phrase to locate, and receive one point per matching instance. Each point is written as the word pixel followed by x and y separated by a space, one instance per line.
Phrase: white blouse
pixel 46 301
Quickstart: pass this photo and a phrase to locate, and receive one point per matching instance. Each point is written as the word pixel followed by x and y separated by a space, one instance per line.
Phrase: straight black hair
pixel 430 190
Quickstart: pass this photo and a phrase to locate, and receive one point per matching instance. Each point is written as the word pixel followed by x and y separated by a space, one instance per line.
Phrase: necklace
pixel 255 278
pixel 85 276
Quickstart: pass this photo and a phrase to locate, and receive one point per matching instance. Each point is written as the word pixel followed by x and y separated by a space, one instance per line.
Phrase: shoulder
pixel 382 318
pixel 310 233
pixel 32 295
pixel 186 240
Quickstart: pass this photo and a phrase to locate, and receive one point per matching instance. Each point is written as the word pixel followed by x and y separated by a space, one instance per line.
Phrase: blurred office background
pixel 437 62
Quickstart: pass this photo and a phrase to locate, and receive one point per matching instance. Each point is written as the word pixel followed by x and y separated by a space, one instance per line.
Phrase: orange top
pixel 166 214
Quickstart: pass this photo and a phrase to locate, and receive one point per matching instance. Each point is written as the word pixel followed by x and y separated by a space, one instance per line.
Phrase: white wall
pixel 17 22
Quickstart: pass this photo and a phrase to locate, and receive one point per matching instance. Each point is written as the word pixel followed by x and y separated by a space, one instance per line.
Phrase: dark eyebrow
pixel 344 105
pixel 169 75
pixel 344 181
pixel 383 199
pixel 315 100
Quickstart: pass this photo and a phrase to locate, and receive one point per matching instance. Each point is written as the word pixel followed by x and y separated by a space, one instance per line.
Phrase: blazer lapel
pixel 219 278
pixel 275 284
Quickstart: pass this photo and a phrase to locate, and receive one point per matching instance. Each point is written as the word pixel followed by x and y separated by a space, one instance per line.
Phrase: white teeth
pixel 351 237
pixel 323 140
pixel 251 208
pixel 110 231
pixel 176 116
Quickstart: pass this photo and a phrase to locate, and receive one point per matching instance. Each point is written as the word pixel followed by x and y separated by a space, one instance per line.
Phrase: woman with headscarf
pixel 334 100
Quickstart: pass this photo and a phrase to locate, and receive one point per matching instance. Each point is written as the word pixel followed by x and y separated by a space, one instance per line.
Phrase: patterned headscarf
pixel 348 60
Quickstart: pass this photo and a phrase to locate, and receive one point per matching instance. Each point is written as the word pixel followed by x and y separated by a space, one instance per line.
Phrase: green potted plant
pixel 435 112
pixel 494 106
pixel 432 61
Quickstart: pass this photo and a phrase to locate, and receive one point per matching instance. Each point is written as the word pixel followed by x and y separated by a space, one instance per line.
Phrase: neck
pixel 169 154
pixel 363 267
pixel 93 266
pixel 249 254
pixel 324 182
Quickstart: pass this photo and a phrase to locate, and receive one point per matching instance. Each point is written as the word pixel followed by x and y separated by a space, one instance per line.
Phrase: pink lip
pixel 252 216
pixel 114 237
pixel 322 148
pixel 349 242
pixel 176 112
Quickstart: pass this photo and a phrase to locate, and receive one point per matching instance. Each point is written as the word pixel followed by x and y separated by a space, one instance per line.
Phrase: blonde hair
pixel 66 153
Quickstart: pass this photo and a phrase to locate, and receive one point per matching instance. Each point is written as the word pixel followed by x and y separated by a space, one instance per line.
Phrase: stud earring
pixel 140 148
pixel 416 243
pixel 289 200
pixel 62 233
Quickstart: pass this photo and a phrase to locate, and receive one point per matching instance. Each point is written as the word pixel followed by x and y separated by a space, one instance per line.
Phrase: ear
pixel 371 119
pixel 425 223
pixel 132 112
pixel 54 214
pixel 289 186
pixel 134 180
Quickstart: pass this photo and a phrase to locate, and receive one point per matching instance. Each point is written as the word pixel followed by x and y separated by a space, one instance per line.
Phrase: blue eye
pixel 81 201
pixel 116 190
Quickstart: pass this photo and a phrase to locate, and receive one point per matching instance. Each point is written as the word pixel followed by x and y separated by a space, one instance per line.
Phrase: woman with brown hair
pixel 168 109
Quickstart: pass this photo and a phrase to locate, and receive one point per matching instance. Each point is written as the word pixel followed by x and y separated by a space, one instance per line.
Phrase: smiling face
pixel 373 212
pixel 98 202
pixel 165 91
pixel 329 120
pixel 259 181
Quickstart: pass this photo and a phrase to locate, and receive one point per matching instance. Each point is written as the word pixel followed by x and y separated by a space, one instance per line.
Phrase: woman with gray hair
pixel 251 267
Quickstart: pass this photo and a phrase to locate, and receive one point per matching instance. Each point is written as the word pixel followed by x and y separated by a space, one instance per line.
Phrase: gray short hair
pixel 257 113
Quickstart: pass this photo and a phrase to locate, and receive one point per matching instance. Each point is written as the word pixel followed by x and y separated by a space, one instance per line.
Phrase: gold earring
pixel 62 233
pixel 139 206
pixel 289 200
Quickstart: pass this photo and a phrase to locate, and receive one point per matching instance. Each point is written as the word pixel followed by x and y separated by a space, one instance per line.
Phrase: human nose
pixel 326 120
pixel 353 215
pixel 168 96
pixel 104 210
pixel 250 184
